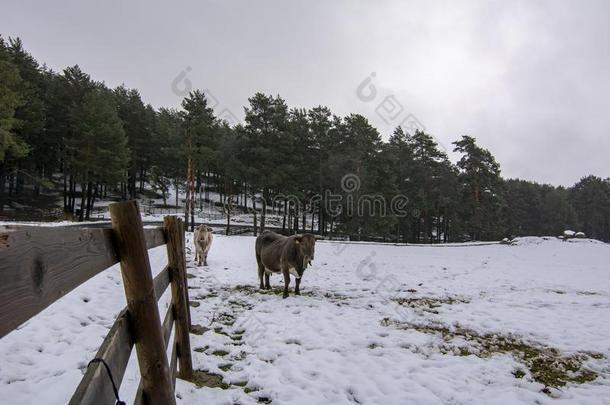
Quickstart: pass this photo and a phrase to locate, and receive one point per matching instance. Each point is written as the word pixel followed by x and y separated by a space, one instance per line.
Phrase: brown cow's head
pixel 306 246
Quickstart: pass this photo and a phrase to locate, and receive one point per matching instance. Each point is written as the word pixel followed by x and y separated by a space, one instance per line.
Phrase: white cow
pixel 203 240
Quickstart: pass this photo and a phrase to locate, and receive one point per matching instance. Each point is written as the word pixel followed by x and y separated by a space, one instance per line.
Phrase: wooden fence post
pixel 142 303
pixel 174 231
pixel 186 284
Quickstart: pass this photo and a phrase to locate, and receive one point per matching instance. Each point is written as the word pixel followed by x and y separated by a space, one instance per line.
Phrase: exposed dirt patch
pixel 207 379
pixel 198 329
pixel 430 304
pixel 220 353
pixel 546 365
pixel 249 289
pixel 208 295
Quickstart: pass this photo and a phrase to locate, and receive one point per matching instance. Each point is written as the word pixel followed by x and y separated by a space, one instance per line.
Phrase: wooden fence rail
pixel 39 265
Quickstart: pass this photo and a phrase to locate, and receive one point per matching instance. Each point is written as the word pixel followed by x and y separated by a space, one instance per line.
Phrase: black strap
pixel 116 392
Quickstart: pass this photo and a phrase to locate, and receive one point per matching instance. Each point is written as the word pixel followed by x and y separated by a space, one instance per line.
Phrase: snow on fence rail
pixel 39 265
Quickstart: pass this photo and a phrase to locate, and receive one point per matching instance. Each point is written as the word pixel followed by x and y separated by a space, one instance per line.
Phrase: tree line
pixel 65 134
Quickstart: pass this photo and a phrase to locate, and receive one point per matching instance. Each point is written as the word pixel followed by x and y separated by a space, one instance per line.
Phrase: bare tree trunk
pixel 313 214
pixel 264 212
pixel 2 184
pixel 82 201
pixel 284 218
pixel 254 212
pixel 90 197
pixel 296 218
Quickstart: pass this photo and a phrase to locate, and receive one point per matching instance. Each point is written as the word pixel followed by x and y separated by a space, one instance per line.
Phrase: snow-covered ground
pixel 375 324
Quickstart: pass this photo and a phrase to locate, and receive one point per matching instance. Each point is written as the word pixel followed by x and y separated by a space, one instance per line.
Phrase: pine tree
pixel 100 147
pixel 31 116
pixel 265 134
pixel 480 175
pixel 12 146
pixel 137 125
pixel 169 168
pixel 591 200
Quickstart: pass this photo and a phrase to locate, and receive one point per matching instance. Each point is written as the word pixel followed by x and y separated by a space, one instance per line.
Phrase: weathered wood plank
pixel 39 265
pixel 173 364
pixel 95 387
pixel 154 237
pixel 174 230
pixel 168 322
pixel 161 282
pixel 141 300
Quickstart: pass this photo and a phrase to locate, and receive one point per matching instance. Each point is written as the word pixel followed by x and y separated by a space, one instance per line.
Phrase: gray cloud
pixel 528 79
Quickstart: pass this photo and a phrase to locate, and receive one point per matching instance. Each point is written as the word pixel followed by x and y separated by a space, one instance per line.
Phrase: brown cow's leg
pixel 286 283
pixel 296 287
pixel 261 271
pixel 267 283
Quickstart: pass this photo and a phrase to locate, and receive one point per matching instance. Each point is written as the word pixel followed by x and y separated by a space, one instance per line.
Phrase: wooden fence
pixel 39 265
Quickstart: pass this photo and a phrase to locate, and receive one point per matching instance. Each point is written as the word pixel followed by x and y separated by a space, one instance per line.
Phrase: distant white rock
pixel 569 234
pixel 580 235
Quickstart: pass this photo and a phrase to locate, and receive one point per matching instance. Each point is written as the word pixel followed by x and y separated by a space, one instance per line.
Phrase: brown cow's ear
pixel 298 239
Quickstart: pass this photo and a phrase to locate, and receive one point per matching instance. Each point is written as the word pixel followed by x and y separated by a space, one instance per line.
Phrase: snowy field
pixel 375 324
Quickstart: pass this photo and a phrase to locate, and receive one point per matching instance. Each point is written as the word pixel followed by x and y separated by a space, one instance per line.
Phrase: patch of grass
pixel 198 329
pixel 587 293
pixel 464 351
pixel 236 338
pixel 248 390
pixel 240 384
pixel 220 353
pixel 201 349
pixel 519 373
pixel 220 331
pixel 595 355
pixel 547 365
pixel 335 296
pixel 208 295
pixel 248 289
pixel 430 304
pixel 206 379
pixel 226 319
pixel 225 367
pixel 240 304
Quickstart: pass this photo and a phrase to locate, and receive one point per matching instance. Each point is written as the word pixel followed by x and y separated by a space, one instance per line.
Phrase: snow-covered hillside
pixel 375 324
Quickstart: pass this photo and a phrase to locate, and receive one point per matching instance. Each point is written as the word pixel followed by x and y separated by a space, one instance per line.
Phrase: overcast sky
pixel 529 79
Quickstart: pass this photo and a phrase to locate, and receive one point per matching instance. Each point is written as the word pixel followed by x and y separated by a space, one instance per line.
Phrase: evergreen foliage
pixel 63 133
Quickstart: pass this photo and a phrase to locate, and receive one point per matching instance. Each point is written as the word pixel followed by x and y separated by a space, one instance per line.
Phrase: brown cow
pixel 284 254
pixel 203 241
